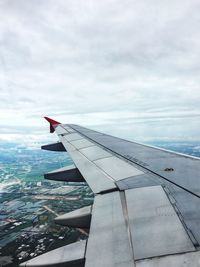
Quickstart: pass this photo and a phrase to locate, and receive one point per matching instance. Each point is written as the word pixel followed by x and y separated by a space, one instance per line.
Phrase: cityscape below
pixel 29 203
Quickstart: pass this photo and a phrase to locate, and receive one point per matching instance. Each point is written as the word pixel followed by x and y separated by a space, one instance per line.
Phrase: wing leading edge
pixel 146 208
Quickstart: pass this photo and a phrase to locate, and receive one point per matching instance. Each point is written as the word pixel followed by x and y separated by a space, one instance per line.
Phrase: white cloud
pixel 101 63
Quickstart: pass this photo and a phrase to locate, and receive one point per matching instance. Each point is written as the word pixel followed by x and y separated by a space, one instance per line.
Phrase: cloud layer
pixel 130 68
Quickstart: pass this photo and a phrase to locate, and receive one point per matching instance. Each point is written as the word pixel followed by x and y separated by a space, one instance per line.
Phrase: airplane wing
pixel 146 209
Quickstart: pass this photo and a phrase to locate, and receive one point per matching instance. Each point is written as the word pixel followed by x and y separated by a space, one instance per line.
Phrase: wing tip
pixel 52 123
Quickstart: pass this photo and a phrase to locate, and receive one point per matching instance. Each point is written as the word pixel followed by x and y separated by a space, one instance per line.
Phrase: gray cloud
pixel 101 62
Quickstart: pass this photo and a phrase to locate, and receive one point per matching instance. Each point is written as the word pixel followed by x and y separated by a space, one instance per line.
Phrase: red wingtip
pixel 52 122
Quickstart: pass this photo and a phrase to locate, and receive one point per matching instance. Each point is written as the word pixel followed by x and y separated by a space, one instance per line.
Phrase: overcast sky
pixel 129 68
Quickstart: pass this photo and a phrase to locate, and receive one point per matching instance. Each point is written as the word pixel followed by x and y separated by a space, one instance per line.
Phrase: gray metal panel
pixel 70 255
pixel 95 152
pixel 69 129
pixel 60 130
pixel 66 126
pixel 69 146
pixel 73 137
pixel 186 171
pixel 155 227
pixel 108 244
pixel 66 144
pixel 137 181
pixel 96 179
pixel 191 259
pixel 117 168
pixel 81 143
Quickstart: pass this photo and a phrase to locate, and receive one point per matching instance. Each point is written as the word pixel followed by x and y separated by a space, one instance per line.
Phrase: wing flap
pixel 108 244
pixel 155 227
pixel 179 260
pixel 70 255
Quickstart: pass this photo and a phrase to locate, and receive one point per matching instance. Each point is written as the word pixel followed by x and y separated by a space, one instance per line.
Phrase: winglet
pixel 53 124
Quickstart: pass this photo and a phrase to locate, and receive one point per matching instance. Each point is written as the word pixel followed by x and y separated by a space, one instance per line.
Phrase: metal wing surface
pixel 146 209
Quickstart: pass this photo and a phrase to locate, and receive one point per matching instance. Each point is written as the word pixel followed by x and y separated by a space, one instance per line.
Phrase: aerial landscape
pixel 29 203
